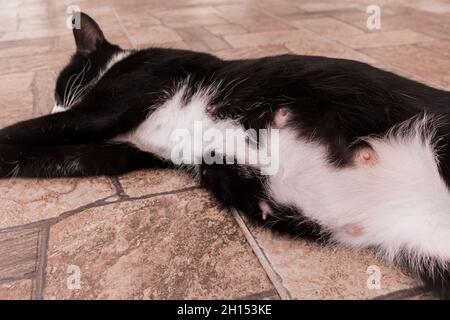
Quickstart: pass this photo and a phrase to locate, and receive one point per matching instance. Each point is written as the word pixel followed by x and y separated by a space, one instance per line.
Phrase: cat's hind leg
pixel 242 188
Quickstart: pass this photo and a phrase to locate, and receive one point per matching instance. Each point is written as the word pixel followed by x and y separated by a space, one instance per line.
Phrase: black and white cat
pixel 363 154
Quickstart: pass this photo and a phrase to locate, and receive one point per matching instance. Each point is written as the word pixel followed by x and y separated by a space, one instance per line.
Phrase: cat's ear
pixel 88 35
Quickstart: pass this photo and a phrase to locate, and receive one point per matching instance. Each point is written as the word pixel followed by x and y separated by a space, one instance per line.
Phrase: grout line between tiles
pixel 38 292
pixel 95 204
pixel 274 277
pixel 30 275
pixel 260 295
pixel 118 186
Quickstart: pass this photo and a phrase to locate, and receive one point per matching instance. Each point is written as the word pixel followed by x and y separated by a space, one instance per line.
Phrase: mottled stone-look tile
pixel 10 83
pixel 251 19
pixel 16 97
pixel 317 6
pixel 415 60
pixel 225 29
pixel 384 39
pixel 178 246
pixel 17 290
pixel 439 31
pixel 153 35
pixel 15 106
pixel 144 182
pixel 43 88
pixel 26 47
pixel 28 200
pixel 18 253
pixel 54 60
pixel 189 17
pixel 430 5
pixel 199 39
pixel 327 48
pixel 280 8
pixel 441 48
pixel 309 271
pixel 268 38
pixel 251 52
pixel 8 20
pixel 327 27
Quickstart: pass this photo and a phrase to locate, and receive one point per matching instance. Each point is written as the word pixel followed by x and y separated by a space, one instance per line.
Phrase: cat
pixel 363 154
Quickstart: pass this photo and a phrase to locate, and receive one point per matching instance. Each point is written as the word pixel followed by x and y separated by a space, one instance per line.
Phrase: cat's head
pixel 93 53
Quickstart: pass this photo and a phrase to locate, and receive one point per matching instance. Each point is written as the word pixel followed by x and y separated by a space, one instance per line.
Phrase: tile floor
pixel 156 234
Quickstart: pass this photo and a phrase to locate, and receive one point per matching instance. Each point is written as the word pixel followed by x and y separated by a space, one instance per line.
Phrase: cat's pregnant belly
pixel 398 202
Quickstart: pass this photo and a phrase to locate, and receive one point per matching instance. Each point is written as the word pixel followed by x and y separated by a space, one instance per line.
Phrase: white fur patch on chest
pixel 176 118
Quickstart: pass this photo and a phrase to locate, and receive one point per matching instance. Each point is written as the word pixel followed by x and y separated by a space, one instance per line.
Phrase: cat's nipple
pixel 366 156
pixel 265 209
pixel 354 229
pixel 210 109
pixel 281 118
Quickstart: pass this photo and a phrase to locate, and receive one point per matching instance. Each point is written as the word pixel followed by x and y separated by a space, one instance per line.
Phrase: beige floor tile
pixel 280 8
pixel 145 182
pixel 441 31
pixel 189 17
pixel 317 6
pixel 29 200
pixel 8 20
pixel 199 39
pixel 26 47
pixel 328 27
pixel 225 29
pixel 251 52
pixel 11 83
pixel 384 39
pixel 15 106
pixel 441 48
pixel 310 271
pixel 323 47
pixel 17 290
pixel 415 60
pixel 430 5
pixel 155 34
pixel 268 38
pixel 43 61
pixel 18 253
pixel 173 247
pixel 251 19
pixel 43 88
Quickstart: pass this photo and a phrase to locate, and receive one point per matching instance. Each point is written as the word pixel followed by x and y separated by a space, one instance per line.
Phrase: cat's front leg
pixel 74 126
pixel 74 160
